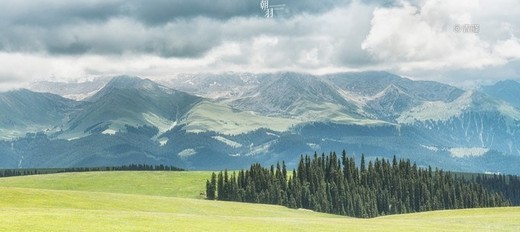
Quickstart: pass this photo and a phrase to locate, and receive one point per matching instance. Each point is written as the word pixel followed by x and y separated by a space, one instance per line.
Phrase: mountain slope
pixel 386 96
pixel 389 103
pixel 470 101
pixel 371 83
pixel 208 116
pixel 303 97
pixel 472 126
pixel 23 111
pixel 130 101
pixel 505 90
pixel 263 118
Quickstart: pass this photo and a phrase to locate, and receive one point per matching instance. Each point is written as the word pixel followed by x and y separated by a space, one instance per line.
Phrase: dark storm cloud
pixel 163 11
pixel 58 12
pixel 168 28
pixel 73 48
pixel 172 28
pixel 55 12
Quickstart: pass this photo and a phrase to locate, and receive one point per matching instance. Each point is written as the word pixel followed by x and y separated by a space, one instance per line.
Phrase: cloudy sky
pixel 463 42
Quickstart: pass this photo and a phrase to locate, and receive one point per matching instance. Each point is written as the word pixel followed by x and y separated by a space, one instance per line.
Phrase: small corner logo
pixel 466 28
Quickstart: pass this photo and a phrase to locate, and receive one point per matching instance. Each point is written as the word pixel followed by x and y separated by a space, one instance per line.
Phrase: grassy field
pixel 171 201
pixel 169 184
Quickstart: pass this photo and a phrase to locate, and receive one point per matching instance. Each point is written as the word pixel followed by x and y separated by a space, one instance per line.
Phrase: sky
pixel 463 42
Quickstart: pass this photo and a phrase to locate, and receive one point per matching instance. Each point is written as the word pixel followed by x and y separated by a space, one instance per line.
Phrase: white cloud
pixel 412 39
pixel 509 49
pixel 308 43
pixel 417 38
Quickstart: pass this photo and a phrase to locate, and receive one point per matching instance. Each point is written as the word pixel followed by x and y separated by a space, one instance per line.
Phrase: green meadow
pixel 171 201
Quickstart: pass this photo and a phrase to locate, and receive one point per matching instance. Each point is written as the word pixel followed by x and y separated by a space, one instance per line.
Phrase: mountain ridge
pixel 505 90
pixel 264 117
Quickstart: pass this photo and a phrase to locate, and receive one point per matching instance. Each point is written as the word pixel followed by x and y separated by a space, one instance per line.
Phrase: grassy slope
pixel 170 184
pixel 215 117
pixel 167 201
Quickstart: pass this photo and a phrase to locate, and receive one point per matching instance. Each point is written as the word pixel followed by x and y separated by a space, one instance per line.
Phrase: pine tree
pixel 220 187
pixel 211 187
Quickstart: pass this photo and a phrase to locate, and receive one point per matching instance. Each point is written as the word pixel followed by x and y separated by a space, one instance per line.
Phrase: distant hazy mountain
pixel 210 121
pixel 216 86
pixel 23 111
pixel 75 91
pixel 386 95
pixel 372 83
pixel 505 90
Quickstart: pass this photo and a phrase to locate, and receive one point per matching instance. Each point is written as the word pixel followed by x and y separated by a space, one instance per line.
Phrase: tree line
pixel 508 185
pixel 130 167
pixel 333 184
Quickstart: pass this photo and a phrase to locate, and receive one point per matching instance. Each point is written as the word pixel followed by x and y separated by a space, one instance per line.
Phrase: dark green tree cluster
pixel 336 185
pixel 130 167
pixel 508 185
pixel 144 167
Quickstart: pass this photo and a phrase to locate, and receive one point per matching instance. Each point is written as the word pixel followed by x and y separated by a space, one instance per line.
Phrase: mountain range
pixel 214 121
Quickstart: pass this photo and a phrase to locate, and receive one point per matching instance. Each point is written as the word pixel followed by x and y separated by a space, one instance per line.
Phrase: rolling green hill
pixel 171 201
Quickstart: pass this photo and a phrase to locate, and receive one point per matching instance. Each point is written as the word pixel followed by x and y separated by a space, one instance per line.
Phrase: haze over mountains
pixel 210 121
